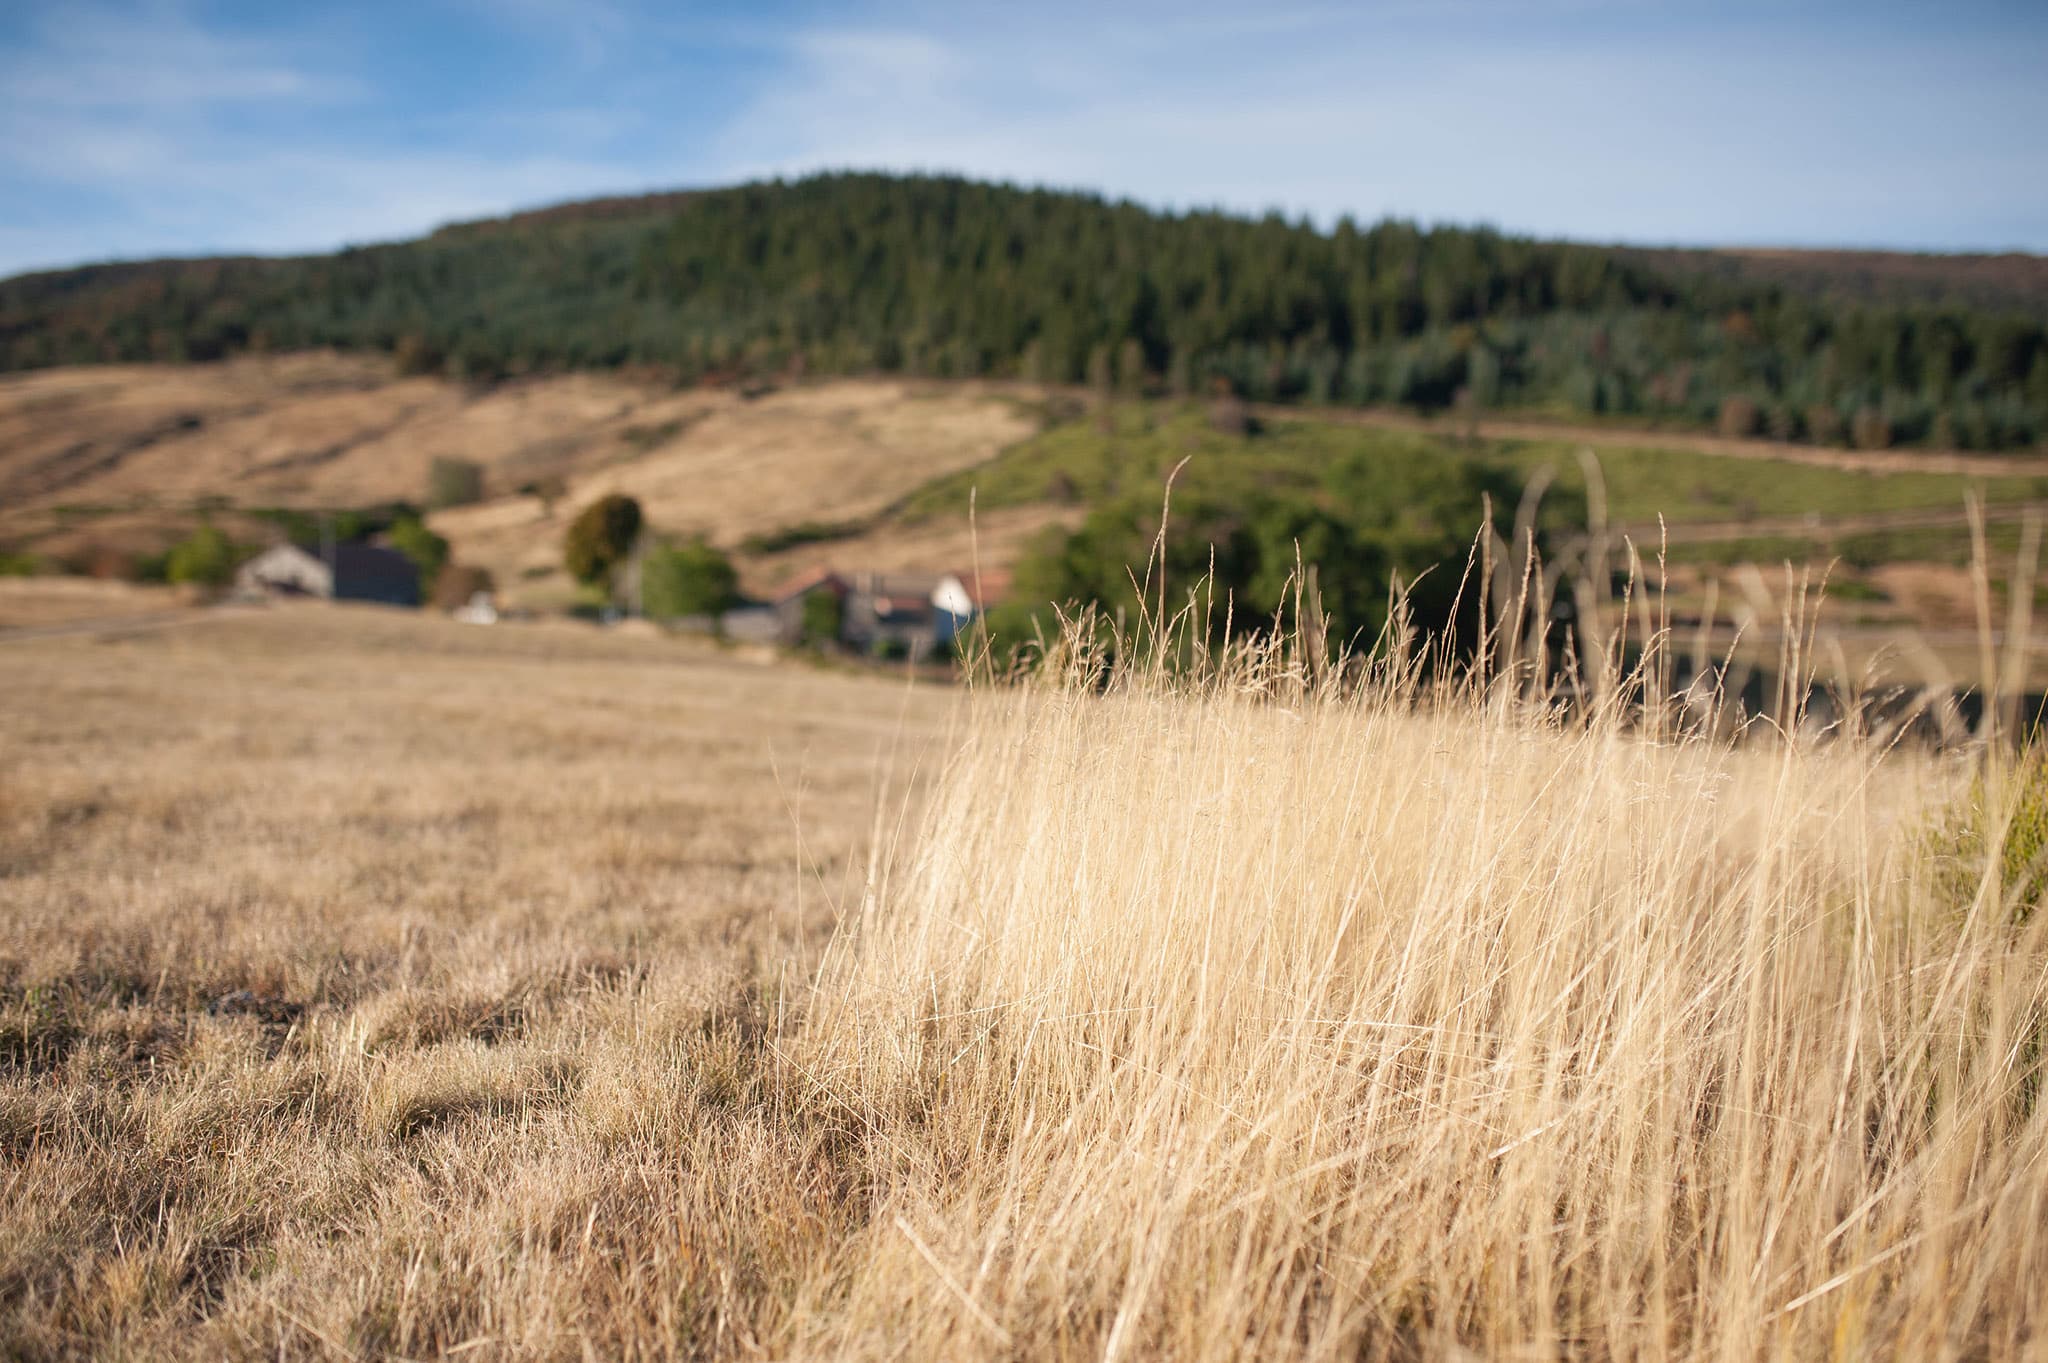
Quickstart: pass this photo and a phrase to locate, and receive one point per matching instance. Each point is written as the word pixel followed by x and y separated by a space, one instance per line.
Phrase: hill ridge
pixel 945 277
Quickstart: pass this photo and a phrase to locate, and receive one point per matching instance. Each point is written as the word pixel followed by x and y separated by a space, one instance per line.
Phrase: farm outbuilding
pixel 348 572
pixel 912 615
pixel 796 602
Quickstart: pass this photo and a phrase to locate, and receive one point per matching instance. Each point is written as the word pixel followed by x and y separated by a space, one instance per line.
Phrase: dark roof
pixel 369 572
pixel 821 579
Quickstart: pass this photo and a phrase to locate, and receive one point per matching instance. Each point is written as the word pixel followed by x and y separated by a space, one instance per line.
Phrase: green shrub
pixel 427 550
pixel 2002 824
pixel 823 616
pixel 691 578
pixel 205 558
pixel 19 564
pixel 1856 589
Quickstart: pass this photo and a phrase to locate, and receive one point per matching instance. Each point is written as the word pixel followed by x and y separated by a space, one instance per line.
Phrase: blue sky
pixel 133 128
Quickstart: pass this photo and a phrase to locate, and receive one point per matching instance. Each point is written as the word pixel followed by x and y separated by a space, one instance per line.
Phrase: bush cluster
pixel 205 558
pixel 1249 538
pixel 691 578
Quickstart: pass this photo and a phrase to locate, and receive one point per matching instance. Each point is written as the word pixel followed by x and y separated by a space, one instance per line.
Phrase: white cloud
pixel 877 63
pixel 155 59
pixel 1630 137
pixel 159 134
pixel 592 30
pixel 181 196
pixel 191 141
pixel 289 201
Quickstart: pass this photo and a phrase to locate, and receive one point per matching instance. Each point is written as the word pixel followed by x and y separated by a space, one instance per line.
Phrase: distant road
pixel 113 624
pixel 1612 437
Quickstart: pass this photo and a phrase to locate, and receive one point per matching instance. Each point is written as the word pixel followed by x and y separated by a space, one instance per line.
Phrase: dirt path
pixel 1813 525
pixel 1523 428
pixel 114 624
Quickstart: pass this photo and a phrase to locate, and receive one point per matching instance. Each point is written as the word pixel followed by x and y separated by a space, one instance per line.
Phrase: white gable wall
pixel 286 568
pixel 952 597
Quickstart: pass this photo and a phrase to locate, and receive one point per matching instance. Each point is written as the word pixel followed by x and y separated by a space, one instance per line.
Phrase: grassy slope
pixel 1080 462
pixel 1723 515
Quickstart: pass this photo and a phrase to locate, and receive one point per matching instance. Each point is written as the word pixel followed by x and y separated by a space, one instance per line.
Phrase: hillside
pixel 104 466
pixel 119 460
pixel 945 278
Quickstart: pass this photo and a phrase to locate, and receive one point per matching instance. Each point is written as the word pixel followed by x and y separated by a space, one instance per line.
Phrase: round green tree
pixel 600 537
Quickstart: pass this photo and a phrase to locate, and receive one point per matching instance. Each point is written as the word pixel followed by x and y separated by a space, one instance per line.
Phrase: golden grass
pixel 542 893
pixel 1216 1022
pixel 51 602
pixel 1225 1018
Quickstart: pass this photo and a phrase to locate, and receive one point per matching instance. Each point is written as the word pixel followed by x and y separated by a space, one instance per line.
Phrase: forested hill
pixel 953 278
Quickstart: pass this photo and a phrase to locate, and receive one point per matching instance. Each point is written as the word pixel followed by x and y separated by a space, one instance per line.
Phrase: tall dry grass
pixel 1242 1015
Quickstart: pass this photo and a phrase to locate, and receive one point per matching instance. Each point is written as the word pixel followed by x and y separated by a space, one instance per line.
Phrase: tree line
pixel 861 273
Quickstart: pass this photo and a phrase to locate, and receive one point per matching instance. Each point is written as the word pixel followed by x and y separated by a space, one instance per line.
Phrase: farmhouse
pixel 348 572
pixel 910 615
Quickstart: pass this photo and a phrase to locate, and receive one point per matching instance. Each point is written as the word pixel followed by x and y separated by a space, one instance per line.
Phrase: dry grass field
pixel 52 602
pixel 611 999
pixel 520 912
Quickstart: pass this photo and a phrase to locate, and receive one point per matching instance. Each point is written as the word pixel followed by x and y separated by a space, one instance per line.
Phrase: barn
pixel 348 572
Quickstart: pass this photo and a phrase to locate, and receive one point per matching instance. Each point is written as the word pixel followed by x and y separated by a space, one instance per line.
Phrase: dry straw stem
pixel 1247 1016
